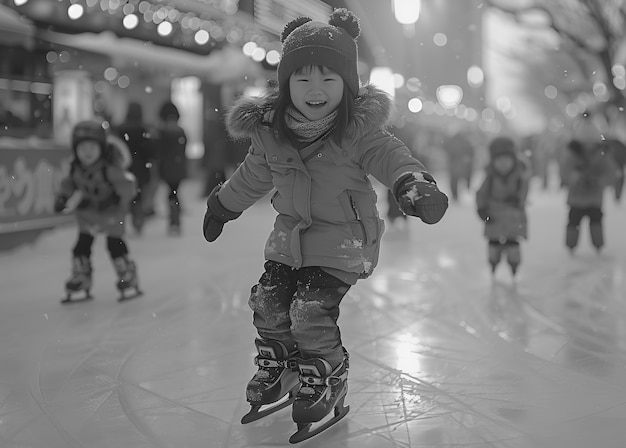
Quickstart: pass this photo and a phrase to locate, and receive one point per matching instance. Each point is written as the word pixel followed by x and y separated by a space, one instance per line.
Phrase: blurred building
pixel 64 61
pixel 439 56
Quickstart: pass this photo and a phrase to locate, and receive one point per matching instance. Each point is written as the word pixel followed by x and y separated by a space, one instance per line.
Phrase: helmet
pixel 89 130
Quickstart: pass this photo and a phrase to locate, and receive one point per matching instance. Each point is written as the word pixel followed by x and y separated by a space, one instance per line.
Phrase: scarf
pixel 306 130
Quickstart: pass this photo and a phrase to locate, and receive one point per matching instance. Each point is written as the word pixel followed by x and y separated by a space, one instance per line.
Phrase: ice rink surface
pixel 441 355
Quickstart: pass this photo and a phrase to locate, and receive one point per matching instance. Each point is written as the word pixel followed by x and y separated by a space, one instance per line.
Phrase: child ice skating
pixel 501 203
pixel 314 140
pixel 171 143
pixel 102 188
pixel 587 170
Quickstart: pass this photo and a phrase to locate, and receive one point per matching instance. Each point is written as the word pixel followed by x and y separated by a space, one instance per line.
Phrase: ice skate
pixel 174 230
pixel 138 219
pixel 80 281
pixel 174 218
pixel 274 385
pixel 322 391
pixel 127 278
pixel 571 238
pixel 514 273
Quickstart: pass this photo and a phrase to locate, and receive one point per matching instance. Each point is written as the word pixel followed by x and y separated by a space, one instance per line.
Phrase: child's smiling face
pixel 316 91
pixel 88 152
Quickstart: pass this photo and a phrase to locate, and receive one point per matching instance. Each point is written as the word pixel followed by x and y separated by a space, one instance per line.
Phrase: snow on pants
pixel 300 308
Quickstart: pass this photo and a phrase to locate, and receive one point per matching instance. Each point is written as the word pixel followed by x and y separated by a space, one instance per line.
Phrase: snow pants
pixel 300 308
pixel 572 231
pixel 115 245
pixel 510 247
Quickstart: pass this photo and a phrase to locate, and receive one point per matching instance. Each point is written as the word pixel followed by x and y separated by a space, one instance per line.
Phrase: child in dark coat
pixel 101 187
pixel 135 133
pixel 171 146
pixel 587 170
pixel 501 203
pixel 315 140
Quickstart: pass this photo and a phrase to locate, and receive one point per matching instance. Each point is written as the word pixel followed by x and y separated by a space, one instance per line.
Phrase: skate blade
pixel 68 300
pixel 257 412
pixel 307 430
pixel 124 297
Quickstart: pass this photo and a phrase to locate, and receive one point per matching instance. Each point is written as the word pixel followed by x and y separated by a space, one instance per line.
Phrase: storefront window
pixel 25 93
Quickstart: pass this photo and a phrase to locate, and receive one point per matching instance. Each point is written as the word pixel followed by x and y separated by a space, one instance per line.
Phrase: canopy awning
pixel 223 65
pixel 14 28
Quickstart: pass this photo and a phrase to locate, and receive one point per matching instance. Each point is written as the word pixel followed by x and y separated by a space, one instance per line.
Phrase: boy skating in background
pixel 102 188
pixel 315 139
pixel 501 203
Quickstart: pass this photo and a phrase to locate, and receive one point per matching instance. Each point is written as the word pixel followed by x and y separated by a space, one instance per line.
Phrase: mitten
pixel 59 204
pixel 417 195
pixel 216 216
pixel 483 213
pixel 112 200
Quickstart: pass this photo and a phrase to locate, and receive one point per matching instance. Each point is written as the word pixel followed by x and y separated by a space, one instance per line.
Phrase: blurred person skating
pixel 460 154
pixel 100 188
pixel 171 144
pixel 407 134
pixel 214 159
pixel 136 134
pixel 396 217
pixel 314 141
pixel 587 170
pixel 501 203
pixel 617 150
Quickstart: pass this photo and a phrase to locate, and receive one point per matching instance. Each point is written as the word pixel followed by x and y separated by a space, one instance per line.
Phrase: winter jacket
pixel 587 169
pixel 105 188
pixel 325 202
pixel 503 198
pixel 171 143
pixel 137 138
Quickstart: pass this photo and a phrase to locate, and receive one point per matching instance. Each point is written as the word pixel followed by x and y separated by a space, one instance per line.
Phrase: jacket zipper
pixel 357 215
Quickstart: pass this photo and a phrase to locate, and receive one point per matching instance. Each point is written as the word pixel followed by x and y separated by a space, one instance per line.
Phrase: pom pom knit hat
pixel 307 42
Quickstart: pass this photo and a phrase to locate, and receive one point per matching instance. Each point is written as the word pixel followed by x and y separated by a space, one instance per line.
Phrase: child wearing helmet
pixel 101 186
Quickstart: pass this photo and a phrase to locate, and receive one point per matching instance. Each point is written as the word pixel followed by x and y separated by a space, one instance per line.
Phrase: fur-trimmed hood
pixel 119 152
pixel 372 110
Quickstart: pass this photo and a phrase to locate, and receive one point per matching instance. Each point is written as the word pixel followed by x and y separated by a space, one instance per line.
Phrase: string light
pixel 75 11
pixel 216 24
pixel 130 21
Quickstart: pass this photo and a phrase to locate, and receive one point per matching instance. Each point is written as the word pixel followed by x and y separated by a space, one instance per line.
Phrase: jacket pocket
pixel 364 226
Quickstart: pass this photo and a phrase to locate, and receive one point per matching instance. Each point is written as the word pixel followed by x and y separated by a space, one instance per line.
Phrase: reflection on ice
pixel 441 354
pixel 408 358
